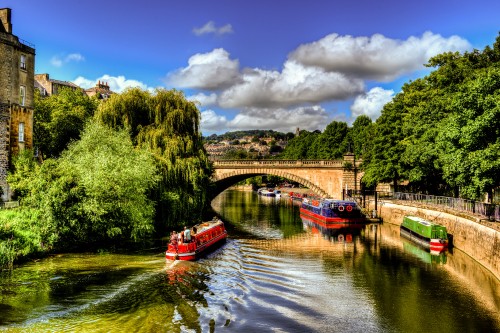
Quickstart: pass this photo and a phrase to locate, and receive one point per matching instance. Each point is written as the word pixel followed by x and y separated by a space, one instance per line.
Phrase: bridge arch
pixel 235 176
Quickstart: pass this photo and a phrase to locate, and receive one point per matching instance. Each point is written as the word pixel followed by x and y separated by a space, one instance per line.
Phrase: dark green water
pixel 274 274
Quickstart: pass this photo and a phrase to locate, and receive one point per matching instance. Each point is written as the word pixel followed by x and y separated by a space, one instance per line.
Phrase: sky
pixel 257 64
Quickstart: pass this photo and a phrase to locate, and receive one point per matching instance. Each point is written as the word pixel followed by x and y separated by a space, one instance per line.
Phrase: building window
pixel 21 132
pixel 22 95
pixel 23 62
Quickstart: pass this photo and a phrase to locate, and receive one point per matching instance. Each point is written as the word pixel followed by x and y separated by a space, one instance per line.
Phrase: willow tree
pixel 167 125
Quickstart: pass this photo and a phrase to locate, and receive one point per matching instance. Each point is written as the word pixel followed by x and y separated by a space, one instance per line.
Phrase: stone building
pixel 48 86
pixel 101 89
pixel 17 76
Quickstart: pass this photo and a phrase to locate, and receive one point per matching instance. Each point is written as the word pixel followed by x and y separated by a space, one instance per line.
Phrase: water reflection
pixel 276 273
pixel 424 254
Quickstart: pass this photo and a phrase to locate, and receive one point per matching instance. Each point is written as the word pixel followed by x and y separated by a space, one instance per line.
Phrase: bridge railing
pixel 278 163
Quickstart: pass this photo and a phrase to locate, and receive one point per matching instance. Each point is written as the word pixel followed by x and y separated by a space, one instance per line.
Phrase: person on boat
pixel 173 239
pixel 187 234
pixel 180 237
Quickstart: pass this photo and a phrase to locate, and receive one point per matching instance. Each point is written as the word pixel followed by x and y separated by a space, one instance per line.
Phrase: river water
pixel 275 273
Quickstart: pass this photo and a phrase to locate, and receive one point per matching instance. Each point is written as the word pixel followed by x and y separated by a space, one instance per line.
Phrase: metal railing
pixel 490 211
pixel 482 209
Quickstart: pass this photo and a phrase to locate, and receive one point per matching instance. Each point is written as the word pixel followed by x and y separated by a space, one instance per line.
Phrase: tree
pixel 361 135
pixel 470 137
pixel 167 125
pixel 59 119
pixel 382 160
pixel 299 146
pixel 332 143
pixel 96 191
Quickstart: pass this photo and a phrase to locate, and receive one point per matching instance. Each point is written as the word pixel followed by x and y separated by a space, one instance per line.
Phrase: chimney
pixel 5 19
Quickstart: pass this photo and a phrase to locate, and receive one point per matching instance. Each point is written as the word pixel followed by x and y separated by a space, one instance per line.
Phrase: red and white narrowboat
pixel 196 240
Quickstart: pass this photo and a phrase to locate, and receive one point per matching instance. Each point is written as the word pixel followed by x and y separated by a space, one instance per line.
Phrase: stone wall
pixel 14 74
pixel 479 241
pixel 4 144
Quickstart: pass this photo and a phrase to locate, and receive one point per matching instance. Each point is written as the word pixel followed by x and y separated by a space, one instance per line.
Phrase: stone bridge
pixel 326 178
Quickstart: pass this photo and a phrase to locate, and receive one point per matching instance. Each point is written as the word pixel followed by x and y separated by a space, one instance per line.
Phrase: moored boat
pixel 424 232
pixel 266 192
pixel 330 212
pixel 199 239
pixel 338 232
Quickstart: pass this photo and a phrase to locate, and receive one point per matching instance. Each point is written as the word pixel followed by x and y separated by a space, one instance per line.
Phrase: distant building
pixel 101 89
pixel 48 86
pixel 17 82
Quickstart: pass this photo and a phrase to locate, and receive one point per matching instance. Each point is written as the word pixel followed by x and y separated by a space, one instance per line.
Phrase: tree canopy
pixel 59 119
pixel 167 125
pixel 441 132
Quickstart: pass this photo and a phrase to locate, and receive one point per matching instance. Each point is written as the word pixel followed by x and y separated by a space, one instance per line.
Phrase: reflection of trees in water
pixel 407 288
pixel 251 215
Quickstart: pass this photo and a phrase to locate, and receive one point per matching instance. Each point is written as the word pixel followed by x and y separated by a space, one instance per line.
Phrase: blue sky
pixel 257 64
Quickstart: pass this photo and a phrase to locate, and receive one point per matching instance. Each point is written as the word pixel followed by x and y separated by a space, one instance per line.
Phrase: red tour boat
pixel 202 237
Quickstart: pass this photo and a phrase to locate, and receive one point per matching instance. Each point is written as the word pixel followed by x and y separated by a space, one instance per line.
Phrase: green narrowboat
pixel 424 232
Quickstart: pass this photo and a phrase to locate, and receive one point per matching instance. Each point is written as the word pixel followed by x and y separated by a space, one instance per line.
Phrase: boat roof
pixel 420 220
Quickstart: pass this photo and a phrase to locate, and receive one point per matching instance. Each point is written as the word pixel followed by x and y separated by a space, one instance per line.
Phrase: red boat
pixel 203 236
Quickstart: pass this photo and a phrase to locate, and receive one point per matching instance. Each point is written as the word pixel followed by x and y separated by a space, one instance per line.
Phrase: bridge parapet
pixel 279 163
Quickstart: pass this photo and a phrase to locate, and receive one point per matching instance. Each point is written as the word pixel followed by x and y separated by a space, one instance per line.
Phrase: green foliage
pixel 59 119
pixel 236 154
pixel 331 144
pixel 361 135
pixel 22 234
pixel 299 147
pixel 442 132
pixel 167 125
pixel 96 191
pixel 470 137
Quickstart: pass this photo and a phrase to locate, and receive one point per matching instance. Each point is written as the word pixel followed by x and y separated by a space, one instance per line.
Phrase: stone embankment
pixel 472 235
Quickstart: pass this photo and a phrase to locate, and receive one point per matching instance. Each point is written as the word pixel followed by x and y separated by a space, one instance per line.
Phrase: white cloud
pixel 371 103
pixel 376 57
pixel 295 85
pixel 213 70
pixel 210 121
pixel 59 61
pixel 210 28
pixel 116 83
pixel 284 120
pixel 204 99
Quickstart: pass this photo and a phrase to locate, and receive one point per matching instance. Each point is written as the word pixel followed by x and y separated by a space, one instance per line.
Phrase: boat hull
pixel 332 222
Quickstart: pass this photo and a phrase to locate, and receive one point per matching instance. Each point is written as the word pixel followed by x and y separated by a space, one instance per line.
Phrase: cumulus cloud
pixel 210 28
pixel 212 71
pixel 211 121
pixel 59 61
pixel 376 57
pixel 204 99
pixel 116 83
pixel 371 103
pixel 284 120
pixel 295 85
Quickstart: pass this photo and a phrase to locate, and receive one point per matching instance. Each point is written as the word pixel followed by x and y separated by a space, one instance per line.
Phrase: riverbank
pixel 470 234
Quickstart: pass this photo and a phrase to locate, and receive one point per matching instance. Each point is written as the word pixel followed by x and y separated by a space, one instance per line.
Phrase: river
pixel 274 274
